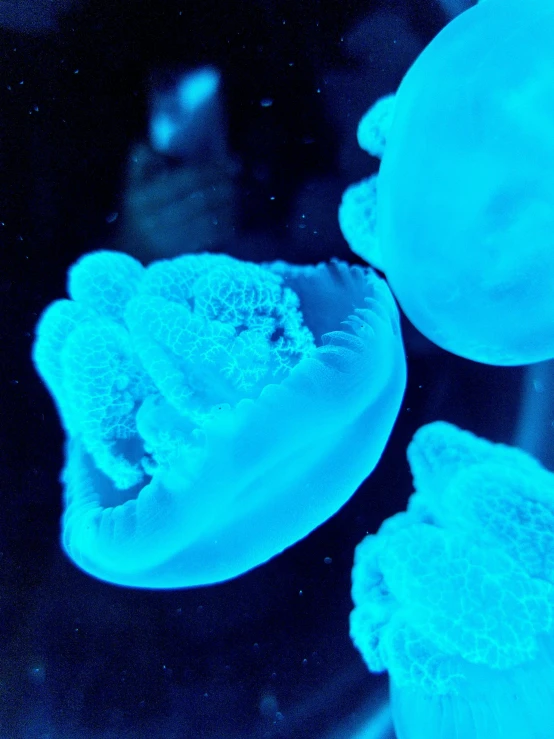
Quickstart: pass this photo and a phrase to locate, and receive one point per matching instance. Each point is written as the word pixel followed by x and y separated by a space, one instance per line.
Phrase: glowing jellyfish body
pixel 455 597
pixel 217 411
pixel 465 208
pixel 186 121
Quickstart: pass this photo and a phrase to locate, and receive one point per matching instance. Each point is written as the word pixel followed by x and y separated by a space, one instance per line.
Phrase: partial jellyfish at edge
pixel 455 596
pixel 464 213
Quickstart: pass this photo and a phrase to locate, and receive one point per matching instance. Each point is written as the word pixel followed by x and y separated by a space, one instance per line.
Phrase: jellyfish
pixel 358 220
pixel 186 120
pixel 216 411
pixel 464 212
pixel 181 192
pixel 455 596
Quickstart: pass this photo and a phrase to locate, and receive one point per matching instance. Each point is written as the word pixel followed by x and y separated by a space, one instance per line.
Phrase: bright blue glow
pixel 163 129
pixel 358 221
pixel 374 126
pixel 185 120
pixel 197 87
pixel 217 411
pixel 465 209
pixel 455 596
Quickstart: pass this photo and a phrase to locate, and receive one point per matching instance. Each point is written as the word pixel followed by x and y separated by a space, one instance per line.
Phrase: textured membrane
pixel 216 411
pixel 455 596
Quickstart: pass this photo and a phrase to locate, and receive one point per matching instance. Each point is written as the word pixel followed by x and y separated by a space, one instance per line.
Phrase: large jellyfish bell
pixel 465 212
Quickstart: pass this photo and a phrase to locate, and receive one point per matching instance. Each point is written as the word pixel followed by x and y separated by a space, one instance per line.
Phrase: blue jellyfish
pixel 465 207
pixel 358 220
pixel 216 411
pixel 186 121
pixel 358 209
pixel 455 596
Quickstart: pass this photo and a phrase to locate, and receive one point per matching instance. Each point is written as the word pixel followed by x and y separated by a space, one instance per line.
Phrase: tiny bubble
pixel 328 560
pixel 111 217
pixel 266 102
